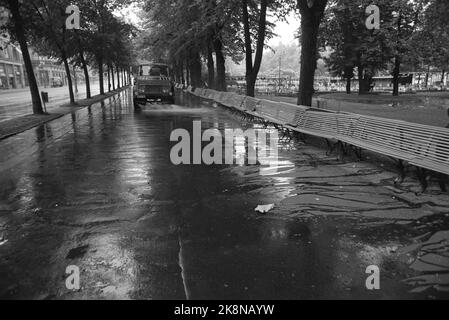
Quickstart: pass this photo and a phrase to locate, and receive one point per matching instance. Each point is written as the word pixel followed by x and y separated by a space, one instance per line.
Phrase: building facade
pixel 12 74
pixel 49 73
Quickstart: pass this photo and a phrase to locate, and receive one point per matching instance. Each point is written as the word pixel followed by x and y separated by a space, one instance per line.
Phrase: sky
pixel 285 30
pixel 130 14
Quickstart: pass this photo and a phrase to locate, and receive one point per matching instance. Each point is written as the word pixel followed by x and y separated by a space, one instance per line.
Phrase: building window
pixel 3 77
pixel 18 73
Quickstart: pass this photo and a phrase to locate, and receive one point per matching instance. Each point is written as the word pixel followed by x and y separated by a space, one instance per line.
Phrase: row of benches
pixel 420 145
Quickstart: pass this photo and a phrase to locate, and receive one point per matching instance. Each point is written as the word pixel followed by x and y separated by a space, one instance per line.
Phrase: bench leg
pixel 301 137
pixel 285 135
pixel 401 167
pixel 343 147
pixel 330 147
pixel 422 176
pixel 266 124
pixel 358 152
pixel 443 181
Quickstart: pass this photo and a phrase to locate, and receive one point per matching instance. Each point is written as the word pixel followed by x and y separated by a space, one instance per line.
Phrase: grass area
pixel 375 98
pixel 423 108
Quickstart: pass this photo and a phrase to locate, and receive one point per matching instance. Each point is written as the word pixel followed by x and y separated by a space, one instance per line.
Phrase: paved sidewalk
pixel 17 103
pixel 17 125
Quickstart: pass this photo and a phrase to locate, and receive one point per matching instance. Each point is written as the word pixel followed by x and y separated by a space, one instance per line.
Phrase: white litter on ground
pixel 264 208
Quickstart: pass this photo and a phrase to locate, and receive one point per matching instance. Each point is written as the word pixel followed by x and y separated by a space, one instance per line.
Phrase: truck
pixel 154 84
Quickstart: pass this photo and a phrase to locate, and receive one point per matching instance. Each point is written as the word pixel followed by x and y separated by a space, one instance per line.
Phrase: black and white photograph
pixel 224 157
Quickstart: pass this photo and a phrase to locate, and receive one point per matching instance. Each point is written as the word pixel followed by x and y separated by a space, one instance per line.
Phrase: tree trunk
pixel 101 74
pixel 109 79
pixel 21 37
pixel 86 74
pixel 210 67
pixel 220 84
pixel 195 70
pixel 248 49
pixel 75 79
pixel 69 76
pixel 177 73
pixel 363 85
pixel 253 70
pixel 311 17
pixel 260 38
pixel 118 77
pixel 348 75
pixel 360 76
pixel 251 86
pixel 112 77
pixel 182 74
pixel 443 74
pixel 397 60
pixel 348 85
pixel 396 73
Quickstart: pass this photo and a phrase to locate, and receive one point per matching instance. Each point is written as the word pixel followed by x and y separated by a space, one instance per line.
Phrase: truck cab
pixel 153 84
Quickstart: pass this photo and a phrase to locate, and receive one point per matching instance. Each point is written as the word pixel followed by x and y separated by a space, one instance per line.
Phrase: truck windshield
pixel 154 71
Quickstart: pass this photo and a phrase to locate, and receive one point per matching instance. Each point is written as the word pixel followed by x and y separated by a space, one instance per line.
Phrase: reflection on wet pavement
pixel 97 190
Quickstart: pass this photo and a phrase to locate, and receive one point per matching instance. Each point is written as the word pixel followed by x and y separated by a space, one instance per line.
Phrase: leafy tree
pixel 435 36
pixel 353 45
pixel 16 29
pixel 104 39
pixel 255 22
pixel 338 33
pixel 173 34
pixel 48 33
pixel 187 33
pixel 252 70
pixel 404 20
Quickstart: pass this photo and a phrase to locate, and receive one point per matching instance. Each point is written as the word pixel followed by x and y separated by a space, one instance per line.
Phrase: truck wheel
pixel 137 105
pixel 171 100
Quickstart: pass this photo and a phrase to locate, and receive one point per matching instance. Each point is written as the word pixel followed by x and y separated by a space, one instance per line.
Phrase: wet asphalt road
pixel 97 190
